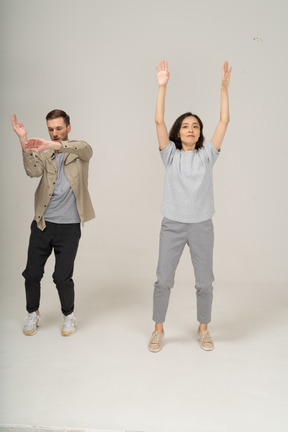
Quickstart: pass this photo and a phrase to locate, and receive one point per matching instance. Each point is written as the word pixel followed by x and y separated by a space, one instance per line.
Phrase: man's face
pixel 57 129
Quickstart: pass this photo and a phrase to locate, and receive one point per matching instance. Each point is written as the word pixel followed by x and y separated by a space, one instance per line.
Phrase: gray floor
pixel 104 377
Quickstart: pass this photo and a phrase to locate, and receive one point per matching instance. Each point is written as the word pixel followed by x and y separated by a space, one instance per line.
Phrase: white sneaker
pixel 69 325
pixel 31 324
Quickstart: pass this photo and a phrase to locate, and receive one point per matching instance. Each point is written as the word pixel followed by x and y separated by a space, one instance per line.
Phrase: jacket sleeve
pixel 80 148
pixel 33 164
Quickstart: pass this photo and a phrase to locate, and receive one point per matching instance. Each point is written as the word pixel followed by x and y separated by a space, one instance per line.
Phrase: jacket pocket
pixel 73 167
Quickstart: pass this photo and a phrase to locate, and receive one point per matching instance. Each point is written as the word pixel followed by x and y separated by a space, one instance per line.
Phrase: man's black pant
pixel 64 239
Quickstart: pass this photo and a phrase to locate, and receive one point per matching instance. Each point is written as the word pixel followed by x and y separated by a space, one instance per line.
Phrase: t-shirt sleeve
pixel 167 153
pixel 211 152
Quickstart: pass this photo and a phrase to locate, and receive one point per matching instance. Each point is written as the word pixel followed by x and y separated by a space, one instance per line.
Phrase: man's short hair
pixel 56 113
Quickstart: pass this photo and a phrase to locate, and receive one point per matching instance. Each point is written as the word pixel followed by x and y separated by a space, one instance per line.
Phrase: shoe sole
pixel 154 350
pixel 65 334
pixel 29 333
pixel 206 349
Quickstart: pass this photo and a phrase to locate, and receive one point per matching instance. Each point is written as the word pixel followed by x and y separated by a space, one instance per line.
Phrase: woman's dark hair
pixel 56 113
pixel 174 131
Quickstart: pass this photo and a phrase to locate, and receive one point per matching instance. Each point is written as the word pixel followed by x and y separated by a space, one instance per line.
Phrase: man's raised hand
pixel 19 130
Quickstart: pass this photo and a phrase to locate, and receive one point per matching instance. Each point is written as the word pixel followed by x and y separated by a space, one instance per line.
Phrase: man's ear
pixel 69 128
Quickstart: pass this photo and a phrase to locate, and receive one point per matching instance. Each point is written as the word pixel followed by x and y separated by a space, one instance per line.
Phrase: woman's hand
pixel 162 77
pixel 162 73
pixel 226 74
pixel 221 128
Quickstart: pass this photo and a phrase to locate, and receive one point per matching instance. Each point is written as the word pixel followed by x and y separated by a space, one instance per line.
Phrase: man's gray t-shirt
pixel 188 191
pixel 62 206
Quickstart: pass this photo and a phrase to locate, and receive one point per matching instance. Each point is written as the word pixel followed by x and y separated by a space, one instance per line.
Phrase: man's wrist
pixel 55 145
pixel 23 140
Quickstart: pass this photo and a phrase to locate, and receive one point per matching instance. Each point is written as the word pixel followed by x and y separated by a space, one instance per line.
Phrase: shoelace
pixel 31 320
pixel 69 321
pixel 156 336
pixel 204 334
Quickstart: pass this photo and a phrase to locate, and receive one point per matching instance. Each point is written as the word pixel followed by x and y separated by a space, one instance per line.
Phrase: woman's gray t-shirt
pixel 188 191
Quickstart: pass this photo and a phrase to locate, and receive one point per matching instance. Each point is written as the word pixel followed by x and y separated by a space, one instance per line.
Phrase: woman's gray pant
pixel 173 238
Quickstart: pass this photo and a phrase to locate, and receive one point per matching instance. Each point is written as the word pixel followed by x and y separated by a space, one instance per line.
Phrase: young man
pixel 62 202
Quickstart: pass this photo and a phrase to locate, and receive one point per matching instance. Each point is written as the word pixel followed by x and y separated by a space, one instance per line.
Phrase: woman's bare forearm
pixel 160 105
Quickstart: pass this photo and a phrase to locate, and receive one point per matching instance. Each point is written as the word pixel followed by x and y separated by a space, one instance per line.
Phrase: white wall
pixel 96 60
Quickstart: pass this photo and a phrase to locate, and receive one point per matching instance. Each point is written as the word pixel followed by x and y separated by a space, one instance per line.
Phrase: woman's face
pixel 189 133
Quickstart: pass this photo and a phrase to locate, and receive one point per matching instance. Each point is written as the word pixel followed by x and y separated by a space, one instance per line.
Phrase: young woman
pixel 187 206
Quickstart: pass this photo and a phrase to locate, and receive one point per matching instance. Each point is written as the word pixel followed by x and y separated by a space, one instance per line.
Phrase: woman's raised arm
pixel 221 128
pixel 162 77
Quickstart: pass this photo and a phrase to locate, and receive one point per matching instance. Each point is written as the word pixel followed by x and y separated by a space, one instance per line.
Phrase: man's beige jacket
pixel 76 164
